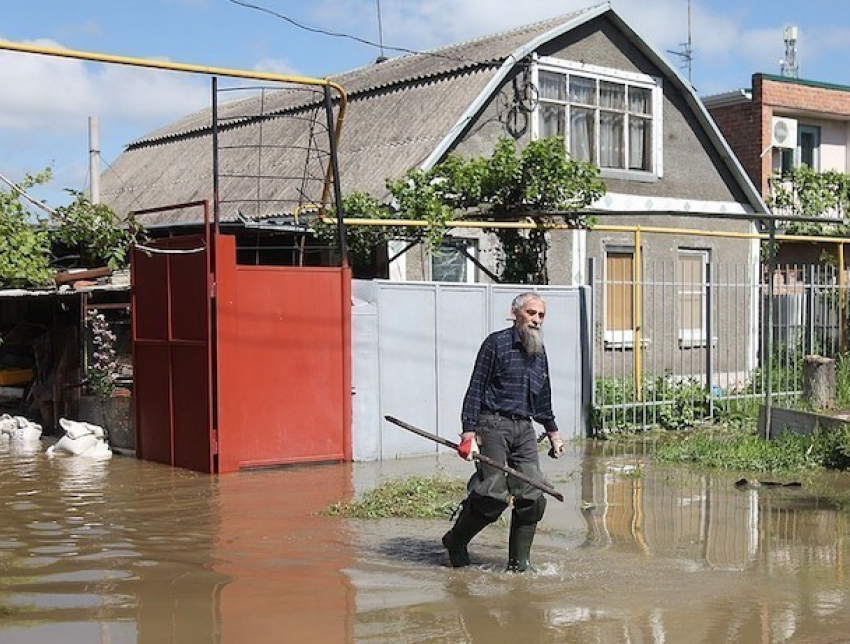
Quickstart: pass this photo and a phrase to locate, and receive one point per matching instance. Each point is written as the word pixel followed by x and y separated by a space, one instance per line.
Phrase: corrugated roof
pixel 401 113
pixel 485 52
pixel 398 112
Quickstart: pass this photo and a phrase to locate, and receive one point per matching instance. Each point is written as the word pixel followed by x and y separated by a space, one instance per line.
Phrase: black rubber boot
pixel 456 539
pixel 519 545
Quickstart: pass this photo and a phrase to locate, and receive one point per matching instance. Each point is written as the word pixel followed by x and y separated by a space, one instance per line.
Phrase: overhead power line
pixel 364 41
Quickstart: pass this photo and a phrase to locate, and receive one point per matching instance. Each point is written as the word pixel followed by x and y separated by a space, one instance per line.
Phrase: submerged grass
pixel 414 497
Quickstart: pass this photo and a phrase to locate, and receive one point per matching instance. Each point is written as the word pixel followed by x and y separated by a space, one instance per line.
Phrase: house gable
pixel 694 170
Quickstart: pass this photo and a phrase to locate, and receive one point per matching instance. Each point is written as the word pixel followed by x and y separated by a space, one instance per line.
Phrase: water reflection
pixel 124 551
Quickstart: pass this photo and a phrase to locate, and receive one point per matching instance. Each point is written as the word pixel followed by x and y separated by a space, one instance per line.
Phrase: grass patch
pixel 415 497
pixel 748 452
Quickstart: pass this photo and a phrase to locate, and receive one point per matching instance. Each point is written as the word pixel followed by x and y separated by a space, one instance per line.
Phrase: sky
pixel 46 102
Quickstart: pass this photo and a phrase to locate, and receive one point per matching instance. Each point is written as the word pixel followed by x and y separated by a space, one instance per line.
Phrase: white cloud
pixel 424 24
pixel 46 103
pixel 276 66
pixel 52 94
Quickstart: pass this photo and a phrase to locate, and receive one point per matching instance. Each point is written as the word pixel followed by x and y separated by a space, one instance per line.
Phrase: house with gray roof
pixel 675 191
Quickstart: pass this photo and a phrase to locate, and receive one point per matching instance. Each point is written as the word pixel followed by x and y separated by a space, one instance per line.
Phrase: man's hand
pixel 557 444
pixel 468 446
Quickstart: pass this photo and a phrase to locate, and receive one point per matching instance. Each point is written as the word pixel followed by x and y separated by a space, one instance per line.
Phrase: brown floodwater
pixel 124 551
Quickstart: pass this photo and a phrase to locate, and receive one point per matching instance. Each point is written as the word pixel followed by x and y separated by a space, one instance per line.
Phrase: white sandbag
pixel 25 430
pixel 100 451
pixel 74 429
pixel 81 439
pixel 75 446
pixel 77 428
pixel 97 430
pixel 86 447
pixel 7 424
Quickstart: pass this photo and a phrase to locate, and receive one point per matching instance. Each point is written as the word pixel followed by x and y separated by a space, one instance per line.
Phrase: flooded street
pixel 124 551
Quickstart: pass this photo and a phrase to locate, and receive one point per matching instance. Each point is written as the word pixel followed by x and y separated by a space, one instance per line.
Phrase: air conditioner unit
pixel 783 133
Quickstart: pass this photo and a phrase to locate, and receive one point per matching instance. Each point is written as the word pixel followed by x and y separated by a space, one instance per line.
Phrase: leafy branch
pixel 804 192
pixel 92 234
pixel 541 183
pixel 24 244
pixel 95 233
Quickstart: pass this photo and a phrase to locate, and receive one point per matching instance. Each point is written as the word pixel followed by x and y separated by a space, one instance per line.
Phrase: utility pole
pixel 94 159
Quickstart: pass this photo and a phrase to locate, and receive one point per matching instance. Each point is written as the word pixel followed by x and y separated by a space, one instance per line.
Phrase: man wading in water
pixel 509 387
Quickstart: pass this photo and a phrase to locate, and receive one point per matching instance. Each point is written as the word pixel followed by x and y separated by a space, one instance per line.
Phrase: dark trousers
pixel 511 441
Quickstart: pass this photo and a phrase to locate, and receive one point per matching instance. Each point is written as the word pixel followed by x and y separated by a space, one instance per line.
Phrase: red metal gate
pixel 172 363
pixel 257 375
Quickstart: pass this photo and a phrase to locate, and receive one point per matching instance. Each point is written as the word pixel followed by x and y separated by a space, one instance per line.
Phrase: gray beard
pixel 532 339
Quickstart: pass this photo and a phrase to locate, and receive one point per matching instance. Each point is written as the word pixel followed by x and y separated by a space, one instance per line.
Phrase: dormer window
pixel 609 118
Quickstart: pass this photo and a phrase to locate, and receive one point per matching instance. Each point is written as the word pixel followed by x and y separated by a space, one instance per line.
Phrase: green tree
pixel 94 233
pixel 363 242
pixel 24 243
pixel 539 183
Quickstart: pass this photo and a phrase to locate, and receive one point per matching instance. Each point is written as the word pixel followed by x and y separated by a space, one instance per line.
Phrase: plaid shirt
pixel 506 379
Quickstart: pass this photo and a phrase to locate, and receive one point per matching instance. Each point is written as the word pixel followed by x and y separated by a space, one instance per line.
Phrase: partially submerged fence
pixel 703 347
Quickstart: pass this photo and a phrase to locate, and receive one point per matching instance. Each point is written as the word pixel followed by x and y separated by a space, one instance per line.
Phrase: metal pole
pixel 94 159
pixel 340 221
pixel 216 213
pixel 768 341
pixel 637 320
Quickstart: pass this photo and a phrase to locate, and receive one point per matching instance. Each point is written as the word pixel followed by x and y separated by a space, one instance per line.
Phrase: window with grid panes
pixel 604 120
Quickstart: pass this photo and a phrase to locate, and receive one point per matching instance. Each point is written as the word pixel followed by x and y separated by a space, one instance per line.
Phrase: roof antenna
pixel 381 58
pixel 789 66
pixel 686 54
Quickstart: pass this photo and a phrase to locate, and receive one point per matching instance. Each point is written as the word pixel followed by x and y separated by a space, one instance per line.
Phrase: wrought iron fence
pixel 675 346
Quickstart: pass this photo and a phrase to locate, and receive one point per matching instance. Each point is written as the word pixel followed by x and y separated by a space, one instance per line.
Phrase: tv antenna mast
pixel 381 57
pixel 789 66
pixel 686 53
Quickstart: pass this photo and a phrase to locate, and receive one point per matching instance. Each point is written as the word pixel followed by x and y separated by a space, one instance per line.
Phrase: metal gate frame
pixel 172 353
pixel 208 396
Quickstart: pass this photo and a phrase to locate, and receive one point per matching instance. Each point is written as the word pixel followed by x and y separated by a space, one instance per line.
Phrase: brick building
pixel 781 123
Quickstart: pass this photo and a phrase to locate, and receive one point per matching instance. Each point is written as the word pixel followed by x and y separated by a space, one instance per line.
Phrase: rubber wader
pixel 456 539
pixel 519 545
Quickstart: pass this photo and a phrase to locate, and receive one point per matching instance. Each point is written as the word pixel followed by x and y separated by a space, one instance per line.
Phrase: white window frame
pixel 644 81
pixel 470 246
